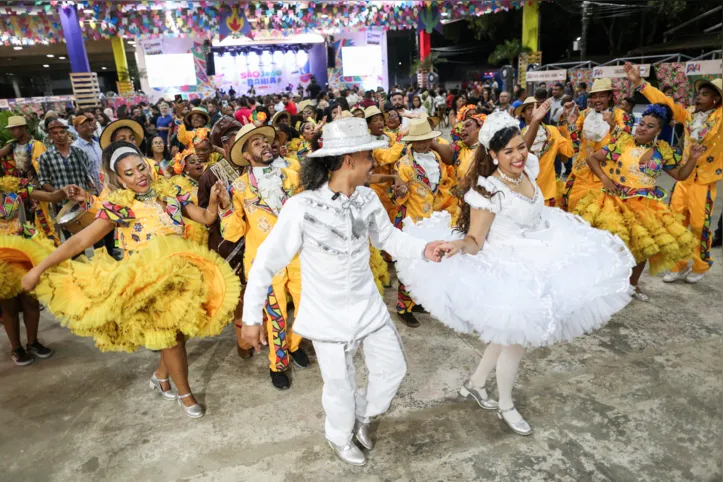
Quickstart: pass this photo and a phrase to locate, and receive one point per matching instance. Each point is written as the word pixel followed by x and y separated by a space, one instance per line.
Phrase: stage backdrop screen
pixel 362 61
pixel 170 70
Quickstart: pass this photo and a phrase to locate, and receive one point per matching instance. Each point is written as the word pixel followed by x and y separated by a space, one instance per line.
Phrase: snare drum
pixel 74 217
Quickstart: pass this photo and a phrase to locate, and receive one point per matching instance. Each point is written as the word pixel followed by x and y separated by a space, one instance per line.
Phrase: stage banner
pixel 703 67
pixel 617 71
pixel 267 73
pixel 546 75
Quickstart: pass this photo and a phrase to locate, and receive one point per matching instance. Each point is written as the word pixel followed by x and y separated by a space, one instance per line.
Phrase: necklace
pixel 147 196
pixel 505 177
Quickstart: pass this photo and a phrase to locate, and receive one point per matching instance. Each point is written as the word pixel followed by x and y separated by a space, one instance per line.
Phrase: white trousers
pixel 343 403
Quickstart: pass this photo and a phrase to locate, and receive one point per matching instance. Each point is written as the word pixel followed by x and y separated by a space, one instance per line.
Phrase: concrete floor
pixel 640 400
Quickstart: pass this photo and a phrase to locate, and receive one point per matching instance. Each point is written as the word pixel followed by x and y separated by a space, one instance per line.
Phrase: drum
pixel 74 217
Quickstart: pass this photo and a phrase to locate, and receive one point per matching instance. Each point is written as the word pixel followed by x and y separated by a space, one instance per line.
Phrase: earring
pixel 495 161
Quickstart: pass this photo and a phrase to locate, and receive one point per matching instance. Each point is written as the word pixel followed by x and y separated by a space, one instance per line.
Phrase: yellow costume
pixel 384 159
pixel 421 200
pixel 290 163
pixel 254 218
pixel 583 137
pixel 638 215
pixel 548 144
pixel 165 285
pixel 463 158
pixel 298 148
pixel 694 197
pixel 196 232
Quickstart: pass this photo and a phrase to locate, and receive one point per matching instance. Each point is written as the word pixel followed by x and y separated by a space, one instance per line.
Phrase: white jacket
pixel 339 300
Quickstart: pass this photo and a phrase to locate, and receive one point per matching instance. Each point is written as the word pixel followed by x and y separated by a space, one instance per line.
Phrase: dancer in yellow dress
pixel 166 289
pixel 189 168
pixel 694 197
pixel 18 254
pixel 631 204
pixel 589 133
pixel 197 118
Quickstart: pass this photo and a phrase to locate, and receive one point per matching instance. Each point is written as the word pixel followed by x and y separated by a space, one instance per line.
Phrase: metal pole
pixel 583 36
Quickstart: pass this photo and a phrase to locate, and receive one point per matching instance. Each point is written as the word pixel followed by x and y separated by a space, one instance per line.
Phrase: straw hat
pixel 346 136
pixel 420 130
pixel 371 111
pixel 345 114
pixel 107 134
pixel 243 136
pixel 304 104
pixel 278 116
pixel 717 84
pixel 16 121
pixel 601 85
pixel 433 121
pixel 281 137
pixel 520 108
pixel 197 110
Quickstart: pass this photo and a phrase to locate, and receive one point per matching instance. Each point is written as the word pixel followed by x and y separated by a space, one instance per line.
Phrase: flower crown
pixel 657 110
pixel 179 161
pixel 494 123
pixel 201 134
pixel 464 110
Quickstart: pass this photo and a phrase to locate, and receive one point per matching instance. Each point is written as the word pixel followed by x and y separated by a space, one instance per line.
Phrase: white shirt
pixel 339 300
pixel 271 186
pixel 279 162
pixel 429 163
pixel 556 109
pixel 594 127
pixel 280 107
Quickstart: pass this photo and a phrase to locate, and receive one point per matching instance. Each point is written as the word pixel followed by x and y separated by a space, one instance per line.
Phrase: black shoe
pixel 300 358
pixel 409 320
pixel 39 350
pixel 280 380
pixel 21 357
pixel 419 309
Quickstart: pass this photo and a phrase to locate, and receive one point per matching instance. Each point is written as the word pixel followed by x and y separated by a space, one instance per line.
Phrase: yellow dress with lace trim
pixel 19 255
pixel 193 231
pixel 380 269
pixel 638 215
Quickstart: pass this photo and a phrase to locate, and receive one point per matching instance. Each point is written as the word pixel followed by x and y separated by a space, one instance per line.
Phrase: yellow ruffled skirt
pixel 195 232
pixel 648 227
pixel 170 286
pixel 18 256
pixel 380 269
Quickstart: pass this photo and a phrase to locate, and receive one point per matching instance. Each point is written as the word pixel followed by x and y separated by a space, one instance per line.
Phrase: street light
pixel 17 48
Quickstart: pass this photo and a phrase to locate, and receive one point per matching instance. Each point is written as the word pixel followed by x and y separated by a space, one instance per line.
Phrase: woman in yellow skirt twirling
pixel 166 289
pixel 630 204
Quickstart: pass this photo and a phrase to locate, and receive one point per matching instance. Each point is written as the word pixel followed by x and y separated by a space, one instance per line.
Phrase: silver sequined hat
pixel 346 136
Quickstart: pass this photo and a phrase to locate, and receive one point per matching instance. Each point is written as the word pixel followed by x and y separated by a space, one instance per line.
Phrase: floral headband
pixel 179 161
pixel 469 108
pixel 657 110
pixel 201 134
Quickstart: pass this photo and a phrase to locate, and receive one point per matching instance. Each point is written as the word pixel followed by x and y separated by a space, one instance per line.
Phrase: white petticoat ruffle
pixel 533 289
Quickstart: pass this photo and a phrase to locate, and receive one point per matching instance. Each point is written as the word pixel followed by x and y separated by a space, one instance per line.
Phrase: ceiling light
pixel 104 68
pixel 61 58
pixel 17 48
pixel 87 10
pixel 46 65
pixel 50 56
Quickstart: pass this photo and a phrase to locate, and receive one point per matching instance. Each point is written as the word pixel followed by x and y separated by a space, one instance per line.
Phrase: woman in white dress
pixel 527 276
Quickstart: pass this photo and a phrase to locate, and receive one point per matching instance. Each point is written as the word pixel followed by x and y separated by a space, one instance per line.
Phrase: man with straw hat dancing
pixel 257 197
pixel 430 188
pixel 589 132
pixel 330 225
pixel 694 197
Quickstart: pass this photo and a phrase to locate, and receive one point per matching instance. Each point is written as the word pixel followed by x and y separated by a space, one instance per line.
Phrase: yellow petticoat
pixel 170 286
pixel 18 256
pixel 195 232
pixel 649 228
pixel 380 269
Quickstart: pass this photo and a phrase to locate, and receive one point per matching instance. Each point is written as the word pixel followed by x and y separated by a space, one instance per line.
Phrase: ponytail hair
pixel 483 166
pixel 315 171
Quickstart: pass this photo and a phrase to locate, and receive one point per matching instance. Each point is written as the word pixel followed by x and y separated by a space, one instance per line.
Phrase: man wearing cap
pixel 330 225
pixel 19 158
pixel 384 179
pixel 430 188
pixel 694 197
pixel 257 198
pixel 65 164
pixel 589 132
pixel 545 142
pixel 85 126
pixel 223 136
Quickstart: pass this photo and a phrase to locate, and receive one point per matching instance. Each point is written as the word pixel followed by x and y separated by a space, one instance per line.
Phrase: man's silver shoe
pixel 194 411
pixel 156 385
pixel 479 395
pixel 349 453
pixel 361 432
pixel 520 428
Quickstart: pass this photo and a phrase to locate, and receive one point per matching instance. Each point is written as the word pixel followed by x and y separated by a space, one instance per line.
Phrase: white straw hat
pixel 346 136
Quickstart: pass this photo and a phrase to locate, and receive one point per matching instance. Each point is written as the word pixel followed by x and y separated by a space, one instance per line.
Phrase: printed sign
pixel 152 47
pixel 546 75
pixel 703 67
pixel 617 71
pixel 374 38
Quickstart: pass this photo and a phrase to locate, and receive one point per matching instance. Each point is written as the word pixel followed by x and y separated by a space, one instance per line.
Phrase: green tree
pixel 508 51
pixel 432 60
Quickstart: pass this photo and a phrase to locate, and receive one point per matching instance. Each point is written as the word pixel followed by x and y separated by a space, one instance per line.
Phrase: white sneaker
pixel 673 276
pixel 693 278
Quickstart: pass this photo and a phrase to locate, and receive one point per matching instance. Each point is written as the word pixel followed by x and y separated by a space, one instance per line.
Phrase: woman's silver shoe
pixel 520 428
pixel 156 385
pixel 361 432
pixel 349 453
pixel 479 395
pixel 194 411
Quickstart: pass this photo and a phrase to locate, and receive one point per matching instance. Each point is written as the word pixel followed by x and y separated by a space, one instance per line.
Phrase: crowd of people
pixel 245 209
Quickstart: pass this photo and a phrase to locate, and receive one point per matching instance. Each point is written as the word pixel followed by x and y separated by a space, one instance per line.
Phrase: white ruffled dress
pixel 543 275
